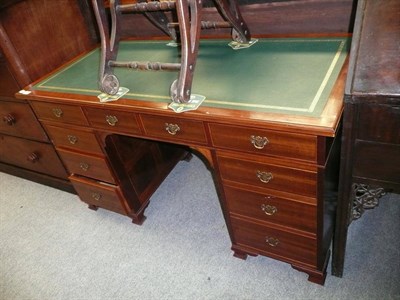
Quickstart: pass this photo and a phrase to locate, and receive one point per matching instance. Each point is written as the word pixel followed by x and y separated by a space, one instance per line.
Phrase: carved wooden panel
pixel 45 35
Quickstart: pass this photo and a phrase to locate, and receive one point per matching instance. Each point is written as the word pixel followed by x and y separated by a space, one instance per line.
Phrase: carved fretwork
pixel 364 197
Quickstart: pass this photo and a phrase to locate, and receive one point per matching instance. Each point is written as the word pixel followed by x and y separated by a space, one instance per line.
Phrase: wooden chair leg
pixel 108 82
pixel 229 9
pixel 188 13
pixel 189 18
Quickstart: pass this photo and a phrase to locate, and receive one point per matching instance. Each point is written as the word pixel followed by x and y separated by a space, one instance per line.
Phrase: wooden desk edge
pixel 325 125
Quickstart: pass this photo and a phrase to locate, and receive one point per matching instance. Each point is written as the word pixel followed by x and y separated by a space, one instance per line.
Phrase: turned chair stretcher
pixel 185 31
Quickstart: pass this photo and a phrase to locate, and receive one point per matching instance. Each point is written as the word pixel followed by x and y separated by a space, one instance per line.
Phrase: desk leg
pixel 344 205
pixel 343 214
pixel 352 207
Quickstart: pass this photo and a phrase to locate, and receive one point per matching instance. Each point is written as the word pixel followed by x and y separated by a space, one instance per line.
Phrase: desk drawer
pixel 268 175
pixel 174 129
pixel 377 161
pixel 112 120
pixel 379 122
pixel 31 155
pixel 264 141
pixel 272 209
pixel 270 241
pixel 99 195
pixel 81 140
pixel 86 165
pixel 18 119
pixel 59 112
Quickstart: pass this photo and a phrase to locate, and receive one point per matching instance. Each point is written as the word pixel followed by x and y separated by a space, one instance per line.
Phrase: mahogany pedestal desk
pixel 370 162
pixel 267 131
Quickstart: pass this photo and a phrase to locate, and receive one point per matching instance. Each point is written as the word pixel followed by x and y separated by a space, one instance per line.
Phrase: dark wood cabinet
pixel 370 159
pixel 25 149
pixel 35 39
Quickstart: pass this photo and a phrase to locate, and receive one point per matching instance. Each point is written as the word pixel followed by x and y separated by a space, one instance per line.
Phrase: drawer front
pixel 380 123
pixel 18 119
pixel 59 112
pixel 272 209
pixel 31 155
pixel 74 139
pixel 86 165
pixel 100 195
pixel 377 161
pixel 269 176
pixel 264 141
pixel 174 129
pixel 112 120
pixel 270 241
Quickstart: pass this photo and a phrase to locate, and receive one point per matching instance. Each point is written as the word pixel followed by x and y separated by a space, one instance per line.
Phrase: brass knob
pixel 84 166
pixel 111 120
pixel 96 196
pixel 33 157
pixel 273 242
pixel 9 119
pixel 57 112
pixel 172 128
pixel 269 209
pixel 258 141
pixel 264 176
pixel 72 139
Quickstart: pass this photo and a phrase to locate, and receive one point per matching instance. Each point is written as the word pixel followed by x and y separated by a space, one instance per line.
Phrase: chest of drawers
pixel 25 149
pixel 273 196
pixel 371 139
pixel 100 171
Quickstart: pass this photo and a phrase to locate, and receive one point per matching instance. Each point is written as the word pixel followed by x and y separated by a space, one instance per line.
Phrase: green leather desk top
pixel 285 75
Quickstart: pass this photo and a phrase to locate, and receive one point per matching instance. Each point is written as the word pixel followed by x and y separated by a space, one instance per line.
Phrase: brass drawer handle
pixel 264 176
pixel 258 141
pixel 84 166
pixel 111 120
pixel 172 128
pixel 72 139
pixel 33 157
pixel 269 209
pixel 9 119
pixel 273 242
pixel 57 112
pixel 96 196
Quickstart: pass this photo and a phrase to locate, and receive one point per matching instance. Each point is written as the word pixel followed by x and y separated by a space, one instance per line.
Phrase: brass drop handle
pixel 72 139
pixel 258 142
pixel 273 242
pixel 84 166
pixel 33 157
pixel 96 196
pixel 9 119
pixel 269 209
pixel 57 112
pixel 111 120
pixel 264 176
pixel 172 128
